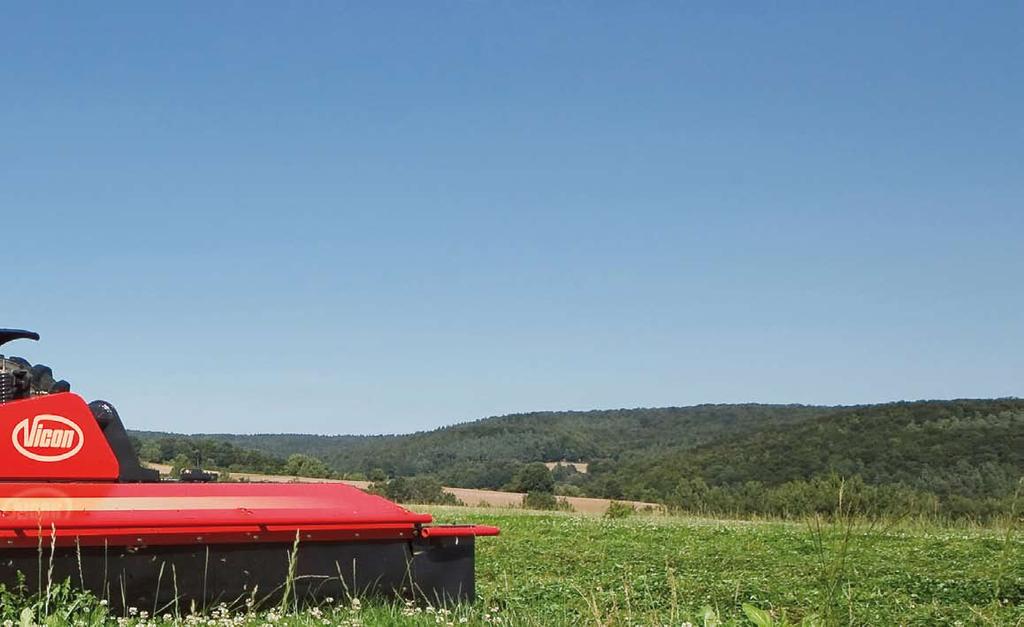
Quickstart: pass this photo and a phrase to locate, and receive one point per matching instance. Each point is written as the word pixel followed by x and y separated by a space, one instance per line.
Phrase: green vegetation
pixel 485 448
pixel 619 510
pixel 421 490
pixel 556 569
pixel 948 458
pixel 180 451
pixel 540 500
pixel 945 459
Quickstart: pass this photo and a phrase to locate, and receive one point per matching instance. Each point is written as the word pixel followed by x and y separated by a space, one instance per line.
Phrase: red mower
pixel 75 503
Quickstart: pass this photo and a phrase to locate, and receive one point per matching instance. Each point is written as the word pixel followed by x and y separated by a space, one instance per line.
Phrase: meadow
pixel 559 568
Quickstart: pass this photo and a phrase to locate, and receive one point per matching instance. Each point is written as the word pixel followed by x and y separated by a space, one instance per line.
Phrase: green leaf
pixel 27 618
pixel 758 616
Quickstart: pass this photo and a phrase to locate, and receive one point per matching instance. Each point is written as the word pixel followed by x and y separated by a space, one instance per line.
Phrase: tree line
pixel 961 458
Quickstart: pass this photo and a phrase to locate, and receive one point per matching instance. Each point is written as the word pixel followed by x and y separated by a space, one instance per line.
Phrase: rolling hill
pixel 961 457
pixel 523 438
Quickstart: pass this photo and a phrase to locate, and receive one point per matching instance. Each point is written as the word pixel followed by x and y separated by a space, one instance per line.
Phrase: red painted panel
pixel 138 514
pixel 53 437
pixel 83 505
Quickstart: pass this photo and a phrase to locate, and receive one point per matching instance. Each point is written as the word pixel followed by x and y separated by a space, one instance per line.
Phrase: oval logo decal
pixel 47 438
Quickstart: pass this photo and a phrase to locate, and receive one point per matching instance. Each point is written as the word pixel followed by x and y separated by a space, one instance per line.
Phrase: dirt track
pixel 473 498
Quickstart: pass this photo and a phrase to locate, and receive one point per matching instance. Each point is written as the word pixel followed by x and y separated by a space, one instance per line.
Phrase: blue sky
pixel 382 217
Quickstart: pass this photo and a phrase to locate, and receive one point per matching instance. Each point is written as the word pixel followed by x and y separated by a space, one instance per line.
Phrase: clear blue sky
pixel 381 217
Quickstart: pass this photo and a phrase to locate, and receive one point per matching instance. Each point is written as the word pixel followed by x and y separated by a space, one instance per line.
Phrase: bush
pixel 619 510
pixel 567 489
pixel 534 477
pixel 423 490
pixel 299 465
pixel 540 500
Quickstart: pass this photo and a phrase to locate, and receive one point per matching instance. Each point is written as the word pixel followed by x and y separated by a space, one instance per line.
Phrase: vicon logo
pixel 47 438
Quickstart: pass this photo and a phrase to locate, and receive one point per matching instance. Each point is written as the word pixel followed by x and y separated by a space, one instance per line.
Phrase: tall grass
pixel 836 568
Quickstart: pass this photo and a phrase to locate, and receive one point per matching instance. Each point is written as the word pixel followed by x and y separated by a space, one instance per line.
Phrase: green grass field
pixel 552 569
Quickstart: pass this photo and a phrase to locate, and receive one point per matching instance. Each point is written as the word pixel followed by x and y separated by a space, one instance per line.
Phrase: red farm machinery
pixel 76 504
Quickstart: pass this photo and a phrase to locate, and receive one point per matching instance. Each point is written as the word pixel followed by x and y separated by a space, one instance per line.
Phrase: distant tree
pixel 300 465
pixel 535 478
pixel 149 451
pixel 540 500
pixel 422 490
pixel 179 463
pixel 567 489
pixel 564 472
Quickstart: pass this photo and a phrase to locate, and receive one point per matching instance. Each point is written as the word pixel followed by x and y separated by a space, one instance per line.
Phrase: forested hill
pixel 530 437
pixel 959 457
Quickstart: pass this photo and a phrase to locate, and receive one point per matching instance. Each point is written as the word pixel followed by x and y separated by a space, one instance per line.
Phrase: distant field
pixel 579 466
pixel 558 569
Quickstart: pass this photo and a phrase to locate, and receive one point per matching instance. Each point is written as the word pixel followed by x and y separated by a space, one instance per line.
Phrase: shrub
pixel 567 489
pixel 424 490
pixel 534 477
pixel 619 510
pixel 540 500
